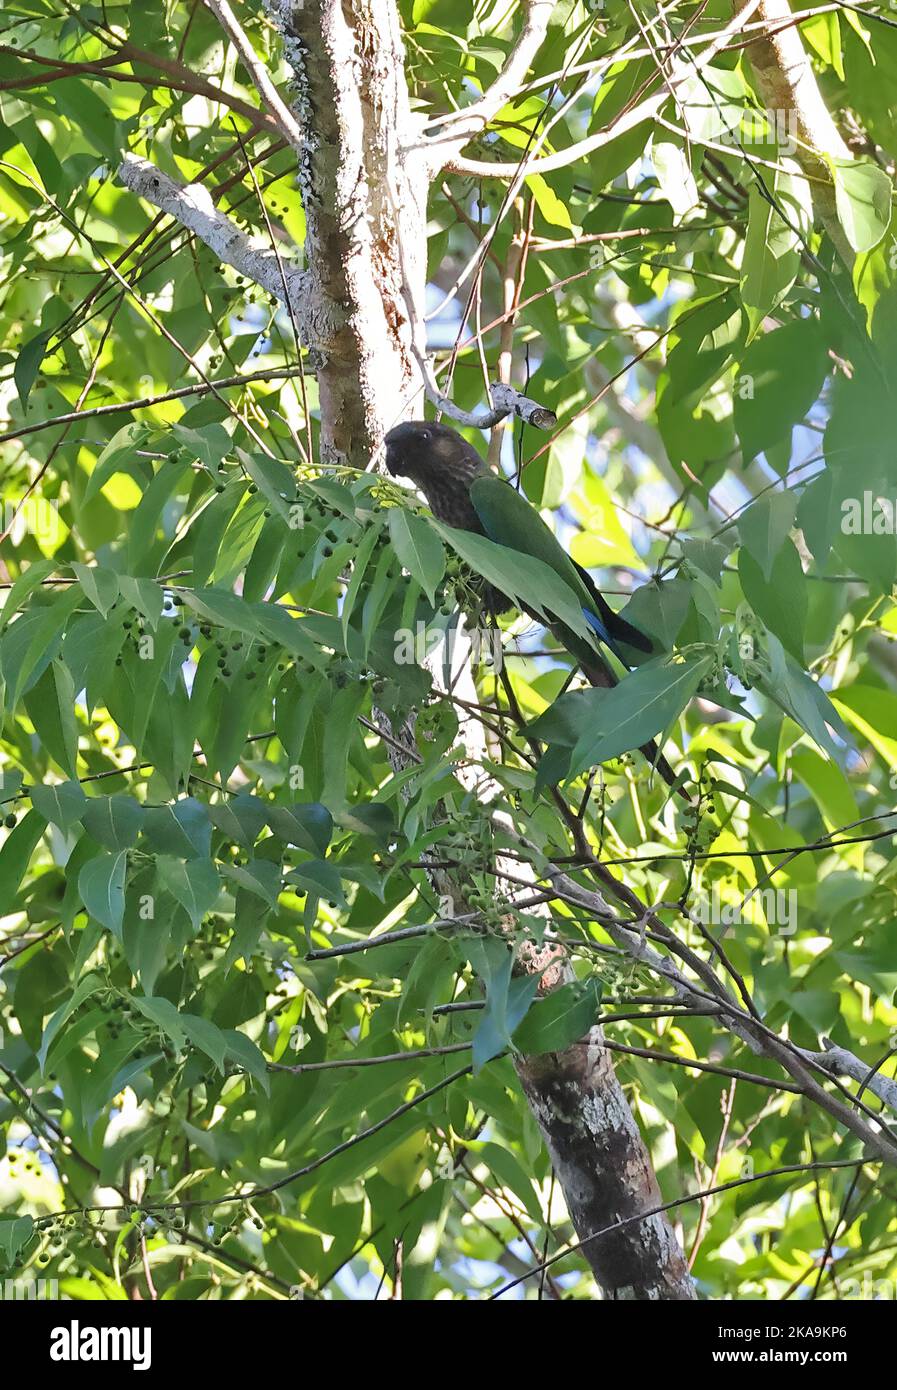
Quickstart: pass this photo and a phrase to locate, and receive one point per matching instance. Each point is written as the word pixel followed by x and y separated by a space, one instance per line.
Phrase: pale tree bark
pixel 787 84
pixel 365 199
pixel 365 163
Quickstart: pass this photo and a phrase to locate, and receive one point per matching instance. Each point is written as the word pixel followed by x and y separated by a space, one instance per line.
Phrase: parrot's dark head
pixel 422 451
pixel 441 464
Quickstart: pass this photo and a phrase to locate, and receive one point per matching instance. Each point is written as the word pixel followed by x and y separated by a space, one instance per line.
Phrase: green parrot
pixel 464 493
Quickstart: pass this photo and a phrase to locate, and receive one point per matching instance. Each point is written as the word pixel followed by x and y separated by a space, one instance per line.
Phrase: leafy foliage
pixel 200 636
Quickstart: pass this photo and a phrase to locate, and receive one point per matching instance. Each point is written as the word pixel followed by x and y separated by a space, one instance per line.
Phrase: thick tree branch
pixel 761 1040
pixel 178 78
pixel 365 202
pixel 191 205
pixel 787 84
pixel 601 1161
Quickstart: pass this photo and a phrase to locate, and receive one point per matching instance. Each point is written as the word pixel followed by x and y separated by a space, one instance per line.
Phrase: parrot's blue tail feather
pixel 597 626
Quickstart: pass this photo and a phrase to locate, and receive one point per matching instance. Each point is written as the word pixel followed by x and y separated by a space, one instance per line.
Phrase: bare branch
pixel 627 120
pixel 191 205
pixel 761 1040
pixel 257 71
pixel 839 1062
pixel 147 402
pixel 473 119
pixel 505 401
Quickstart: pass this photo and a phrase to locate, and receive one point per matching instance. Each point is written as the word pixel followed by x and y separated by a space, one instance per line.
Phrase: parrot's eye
pixel 425 436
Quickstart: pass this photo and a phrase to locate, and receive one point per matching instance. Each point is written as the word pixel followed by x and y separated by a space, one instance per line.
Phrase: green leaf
pixel 771 257
pixel 207 1036
pixel 148 516
pixel 764 528
pixel 674 174
pixel 64 804
pixel 260 877
pixel 707 556
pixel 51 707
pixel 781 602
pixel 100 585
pixel 101 885
pixel 644 704
pixel 16 853
pixel 209 445
pixel 512 1175
pixel 145 595
pixel 508 997
pixel 794 691
pixel 83 990
pixel 560 1019
pixel 522 577
pixel 14 1236
pixel 194 884
pixel 359 569
pixel 306 824
pixel 660 609
pixel 273 479
pixel 114 821
pixel 778 381
pixel 863 201
pixel 829 788
pixel 241 818
pixel 418 548
pixel 244 1052
pixel 181 829
pixel 41 636
pixel 118 454
pixel 819 516
pixel 875 963
pixel 320 879
pixel 28 361
pixel 31 578
pixel 552 208
pixel 164 1015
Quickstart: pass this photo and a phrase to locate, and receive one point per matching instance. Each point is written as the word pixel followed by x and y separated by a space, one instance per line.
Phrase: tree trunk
pixel 364 191
pixel 366 257
pixel 605 1171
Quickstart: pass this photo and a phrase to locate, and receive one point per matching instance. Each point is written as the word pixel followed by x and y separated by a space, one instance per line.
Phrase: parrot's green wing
pixel 508 519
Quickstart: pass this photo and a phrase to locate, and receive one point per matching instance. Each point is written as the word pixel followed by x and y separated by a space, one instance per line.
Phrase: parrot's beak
pixel 393 442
